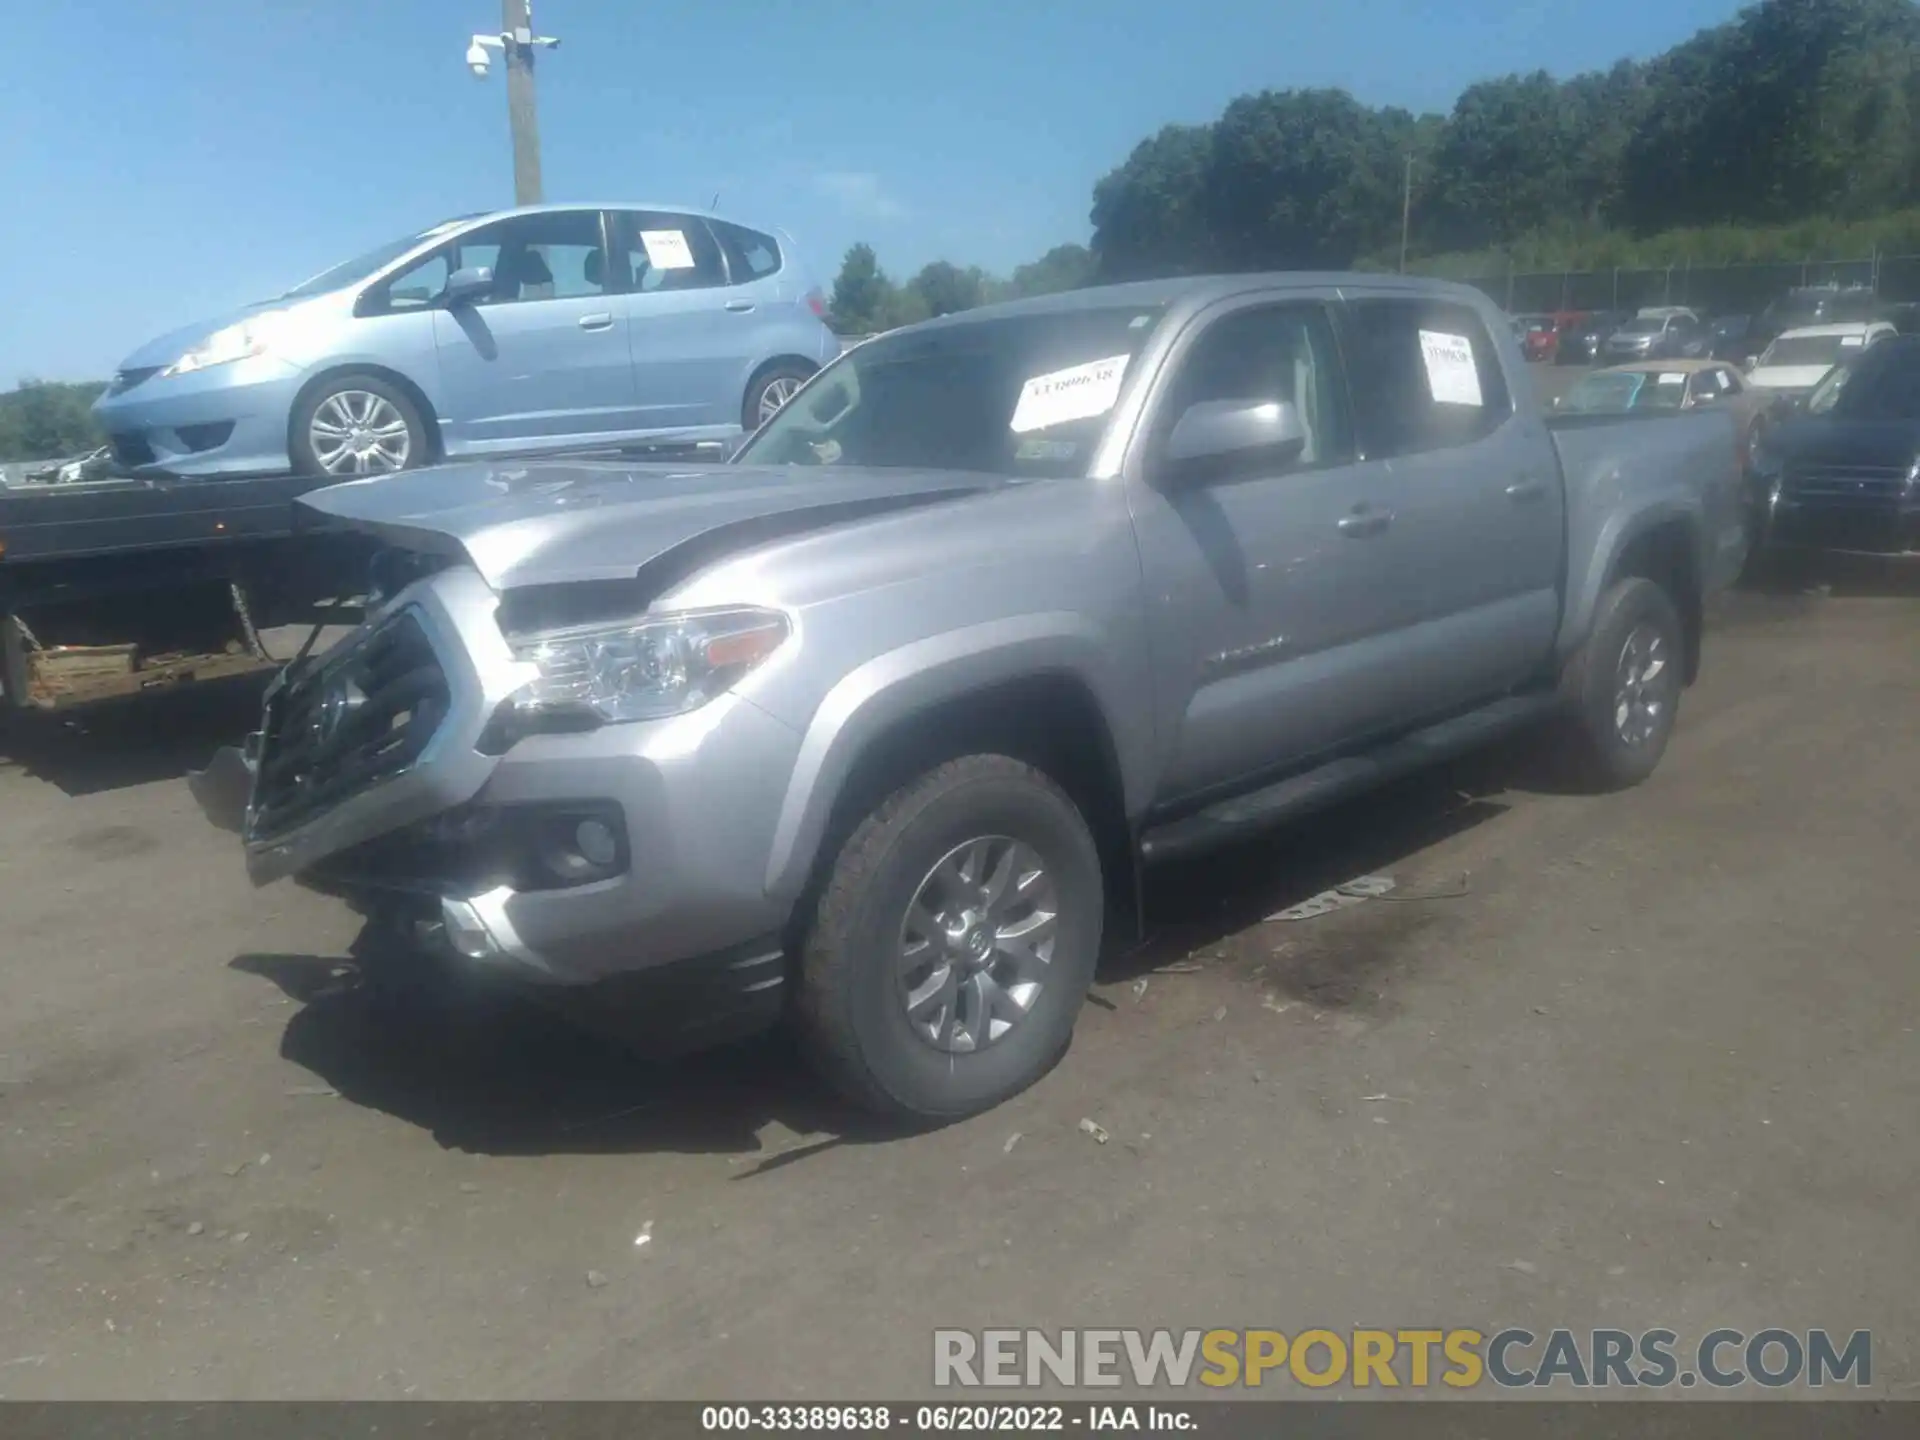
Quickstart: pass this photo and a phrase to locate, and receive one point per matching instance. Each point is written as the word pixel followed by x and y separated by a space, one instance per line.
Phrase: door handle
pixel 1526 490
pixel 739 307
pixel 602 321
pixel 1364 522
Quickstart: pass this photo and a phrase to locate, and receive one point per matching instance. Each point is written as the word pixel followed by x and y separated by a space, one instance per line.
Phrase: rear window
pixel 751 255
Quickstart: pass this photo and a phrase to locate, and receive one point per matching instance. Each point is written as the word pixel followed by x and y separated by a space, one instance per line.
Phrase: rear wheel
pixel 1626 684
pixel 357 425
pixel 954 942
pixel 770 389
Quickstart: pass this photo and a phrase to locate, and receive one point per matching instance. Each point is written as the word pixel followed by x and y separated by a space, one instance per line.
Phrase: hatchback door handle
pixel 601 321
pixel 1364 522
pixel 739 307
pixel 1525 490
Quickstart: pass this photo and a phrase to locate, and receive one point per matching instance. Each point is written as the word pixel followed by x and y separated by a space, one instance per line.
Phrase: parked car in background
pixel 1668 334
pixel 1730 337
pixel 1809 305
pixel 884 715
pixel 1580 344
pixel 1839 474
pixel 1538 334
pixel 546 327
pixel 1792 365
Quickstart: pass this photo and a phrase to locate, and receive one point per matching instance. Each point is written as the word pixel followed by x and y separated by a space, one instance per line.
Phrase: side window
pixel 750 255
pixel 418 287
pixel 1425 376
pixel 1276 352
pixel 660 251
pixel 551 255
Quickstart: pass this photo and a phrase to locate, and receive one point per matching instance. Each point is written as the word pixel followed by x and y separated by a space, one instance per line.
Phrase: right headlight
pixel 646 669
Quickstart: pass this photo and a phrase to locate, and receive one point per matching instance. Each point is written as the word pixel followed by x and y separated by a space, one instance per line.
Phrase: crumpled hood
pixel 554 522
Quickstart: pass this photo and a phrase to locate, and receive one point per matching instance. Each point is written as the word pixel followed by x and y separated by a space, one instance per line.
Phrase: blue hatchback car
pixel 546 327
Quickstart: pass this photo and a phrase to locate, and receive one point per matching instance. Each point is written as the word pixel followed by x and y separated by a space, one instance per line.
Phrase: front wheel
pixel 954 942
pixel 357 425
pixel 770 389
pixel 1626 684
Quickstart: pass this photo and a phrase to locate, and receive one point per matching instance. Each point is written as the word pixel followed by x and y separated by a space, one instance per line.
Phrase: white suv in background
pixel 1797 361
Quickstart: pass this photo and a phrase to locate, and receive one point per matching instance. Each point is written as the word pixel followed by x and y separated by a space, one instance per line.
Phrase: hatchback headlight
pixel 252 336
pixel 647 669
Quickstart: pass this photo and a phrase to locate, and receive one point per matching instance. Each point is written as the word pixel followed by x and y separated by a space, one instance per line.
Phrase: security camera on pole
pixel 517 42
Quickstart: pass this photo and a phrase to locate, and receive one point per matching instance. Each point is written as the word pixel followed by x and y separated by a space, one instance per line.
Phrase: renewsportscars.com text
pixel 1459 1359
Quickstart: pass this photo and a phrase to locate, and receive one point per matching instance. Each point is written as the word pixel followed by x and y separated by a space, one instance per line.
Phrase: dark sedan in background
pixel 1580 344
pixel 1842 473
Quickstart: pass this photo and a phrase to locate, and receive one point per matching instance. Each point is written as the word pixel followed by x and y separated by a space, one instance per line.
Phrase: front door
pixel 542 359
pixel 1268 583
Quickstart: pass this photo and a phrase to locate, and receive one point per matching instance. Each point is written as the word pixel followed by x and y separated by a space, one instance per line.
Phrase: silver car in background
pixel 544 328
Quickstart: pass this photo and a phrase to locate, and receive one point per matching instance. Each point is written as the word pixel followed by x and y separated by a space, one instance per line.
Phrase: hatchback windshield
pixel 1012 395
pixel 1809 349
pixel 361 266
pixel 1883 387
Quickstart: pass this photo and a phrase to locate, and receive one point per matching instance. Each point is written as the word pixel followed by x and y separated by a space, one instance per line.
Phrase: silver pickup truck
pixel 873 727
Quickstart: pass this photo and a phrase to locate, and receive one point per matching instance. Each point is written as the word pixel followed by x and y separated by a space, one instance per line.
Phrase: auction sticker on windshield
pixel 1452 378
pixel 667 249
pixel 1079 393
pixel 1673 379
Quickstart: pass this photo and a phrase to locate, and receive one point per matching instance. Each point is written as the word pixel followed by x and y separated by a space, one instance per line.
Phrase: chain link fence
pixel 1737 289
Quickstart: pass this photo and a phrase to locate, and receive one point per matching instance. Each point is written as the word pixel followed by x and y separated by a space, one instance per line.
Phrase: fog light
pixel 465 931
pixel 596 843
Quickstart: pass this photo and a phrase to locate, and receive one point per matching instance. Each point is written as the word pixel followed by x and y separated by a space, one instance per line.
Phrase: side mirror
pixel 1215 431
pixel 467 285
pixel 1748 363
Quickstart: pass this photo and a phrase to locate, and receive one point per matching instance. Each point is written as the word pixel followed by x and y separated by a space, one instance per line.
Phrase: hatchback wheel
pixel 771 389
pixel 357 425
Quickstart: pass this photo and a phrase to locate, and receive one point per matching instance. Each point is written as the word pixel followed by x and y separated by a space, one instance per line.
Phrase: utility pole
pixel 517 21
pixel 518 42
pixel 1406 213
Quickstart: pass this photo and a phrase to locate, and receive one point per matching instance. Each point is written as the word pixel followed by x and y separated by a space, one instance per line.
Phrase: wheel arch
pixel 1048 713
pixel 1667 552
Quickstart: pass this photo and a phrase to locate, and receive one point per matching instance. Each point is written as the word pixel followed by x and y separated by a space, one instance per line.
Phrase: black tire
pixel 1608 759
pixel 300 444
pixel 789 373
pixel 852 1023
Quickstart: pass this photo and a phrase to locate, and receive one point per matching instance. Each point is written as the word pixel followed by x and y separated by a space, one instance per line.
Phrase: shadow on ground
pixel 493 1073
pixel 161 737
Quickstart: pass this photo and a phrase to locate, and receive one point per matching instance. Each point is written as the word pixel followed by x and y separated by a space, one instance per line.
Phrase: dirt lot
pixel 1656 1066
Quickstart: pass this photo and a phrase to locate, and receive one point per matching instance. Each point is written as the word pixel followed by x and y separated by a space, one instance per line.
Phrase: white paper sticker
pixel 667 249
pixel 1847 342
pixel 1076 394
pixel 1673 379
pixel 1452 378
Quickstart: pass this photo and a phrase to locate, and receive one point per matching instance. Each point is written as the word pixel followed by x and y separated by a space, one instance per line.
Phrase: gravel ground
pixel 1657 1065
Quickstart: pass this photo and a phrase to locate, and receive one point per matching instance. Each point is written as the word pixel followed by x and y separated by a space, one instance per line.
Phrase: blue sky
pixel 165 161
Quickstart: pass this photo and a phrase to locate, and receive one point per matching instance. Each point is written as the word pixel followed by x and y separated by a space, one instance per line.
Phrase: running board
pixel 1234 819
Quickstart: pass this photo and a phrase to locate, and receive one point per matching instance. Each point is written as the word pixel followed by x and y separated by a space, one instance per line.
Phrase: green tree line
pixel 1791 131
pixel 48 420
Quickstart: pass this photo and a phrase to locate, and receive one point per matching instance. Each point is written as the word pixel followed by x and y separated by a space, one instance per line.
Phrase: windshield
pixel 1639 326
pixel 1887 390
pixel 1014 395
pixel 1808 349
pixel 1618 391
pixel 361 266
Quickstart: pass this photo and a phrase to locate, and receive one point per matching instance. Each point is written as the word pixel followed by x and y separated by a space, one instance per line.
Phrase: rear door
pixel 1475 548
pixel 542 358
pixel 689 331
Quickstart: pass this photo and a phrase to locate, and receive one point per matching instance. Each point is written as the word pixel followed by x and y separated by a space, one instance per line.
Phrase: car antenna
pixel 716 203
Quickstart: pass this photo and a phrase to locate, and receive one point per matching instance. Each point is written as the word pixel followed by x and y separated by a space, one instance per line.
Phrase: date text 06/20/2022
pixel 1403 1359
